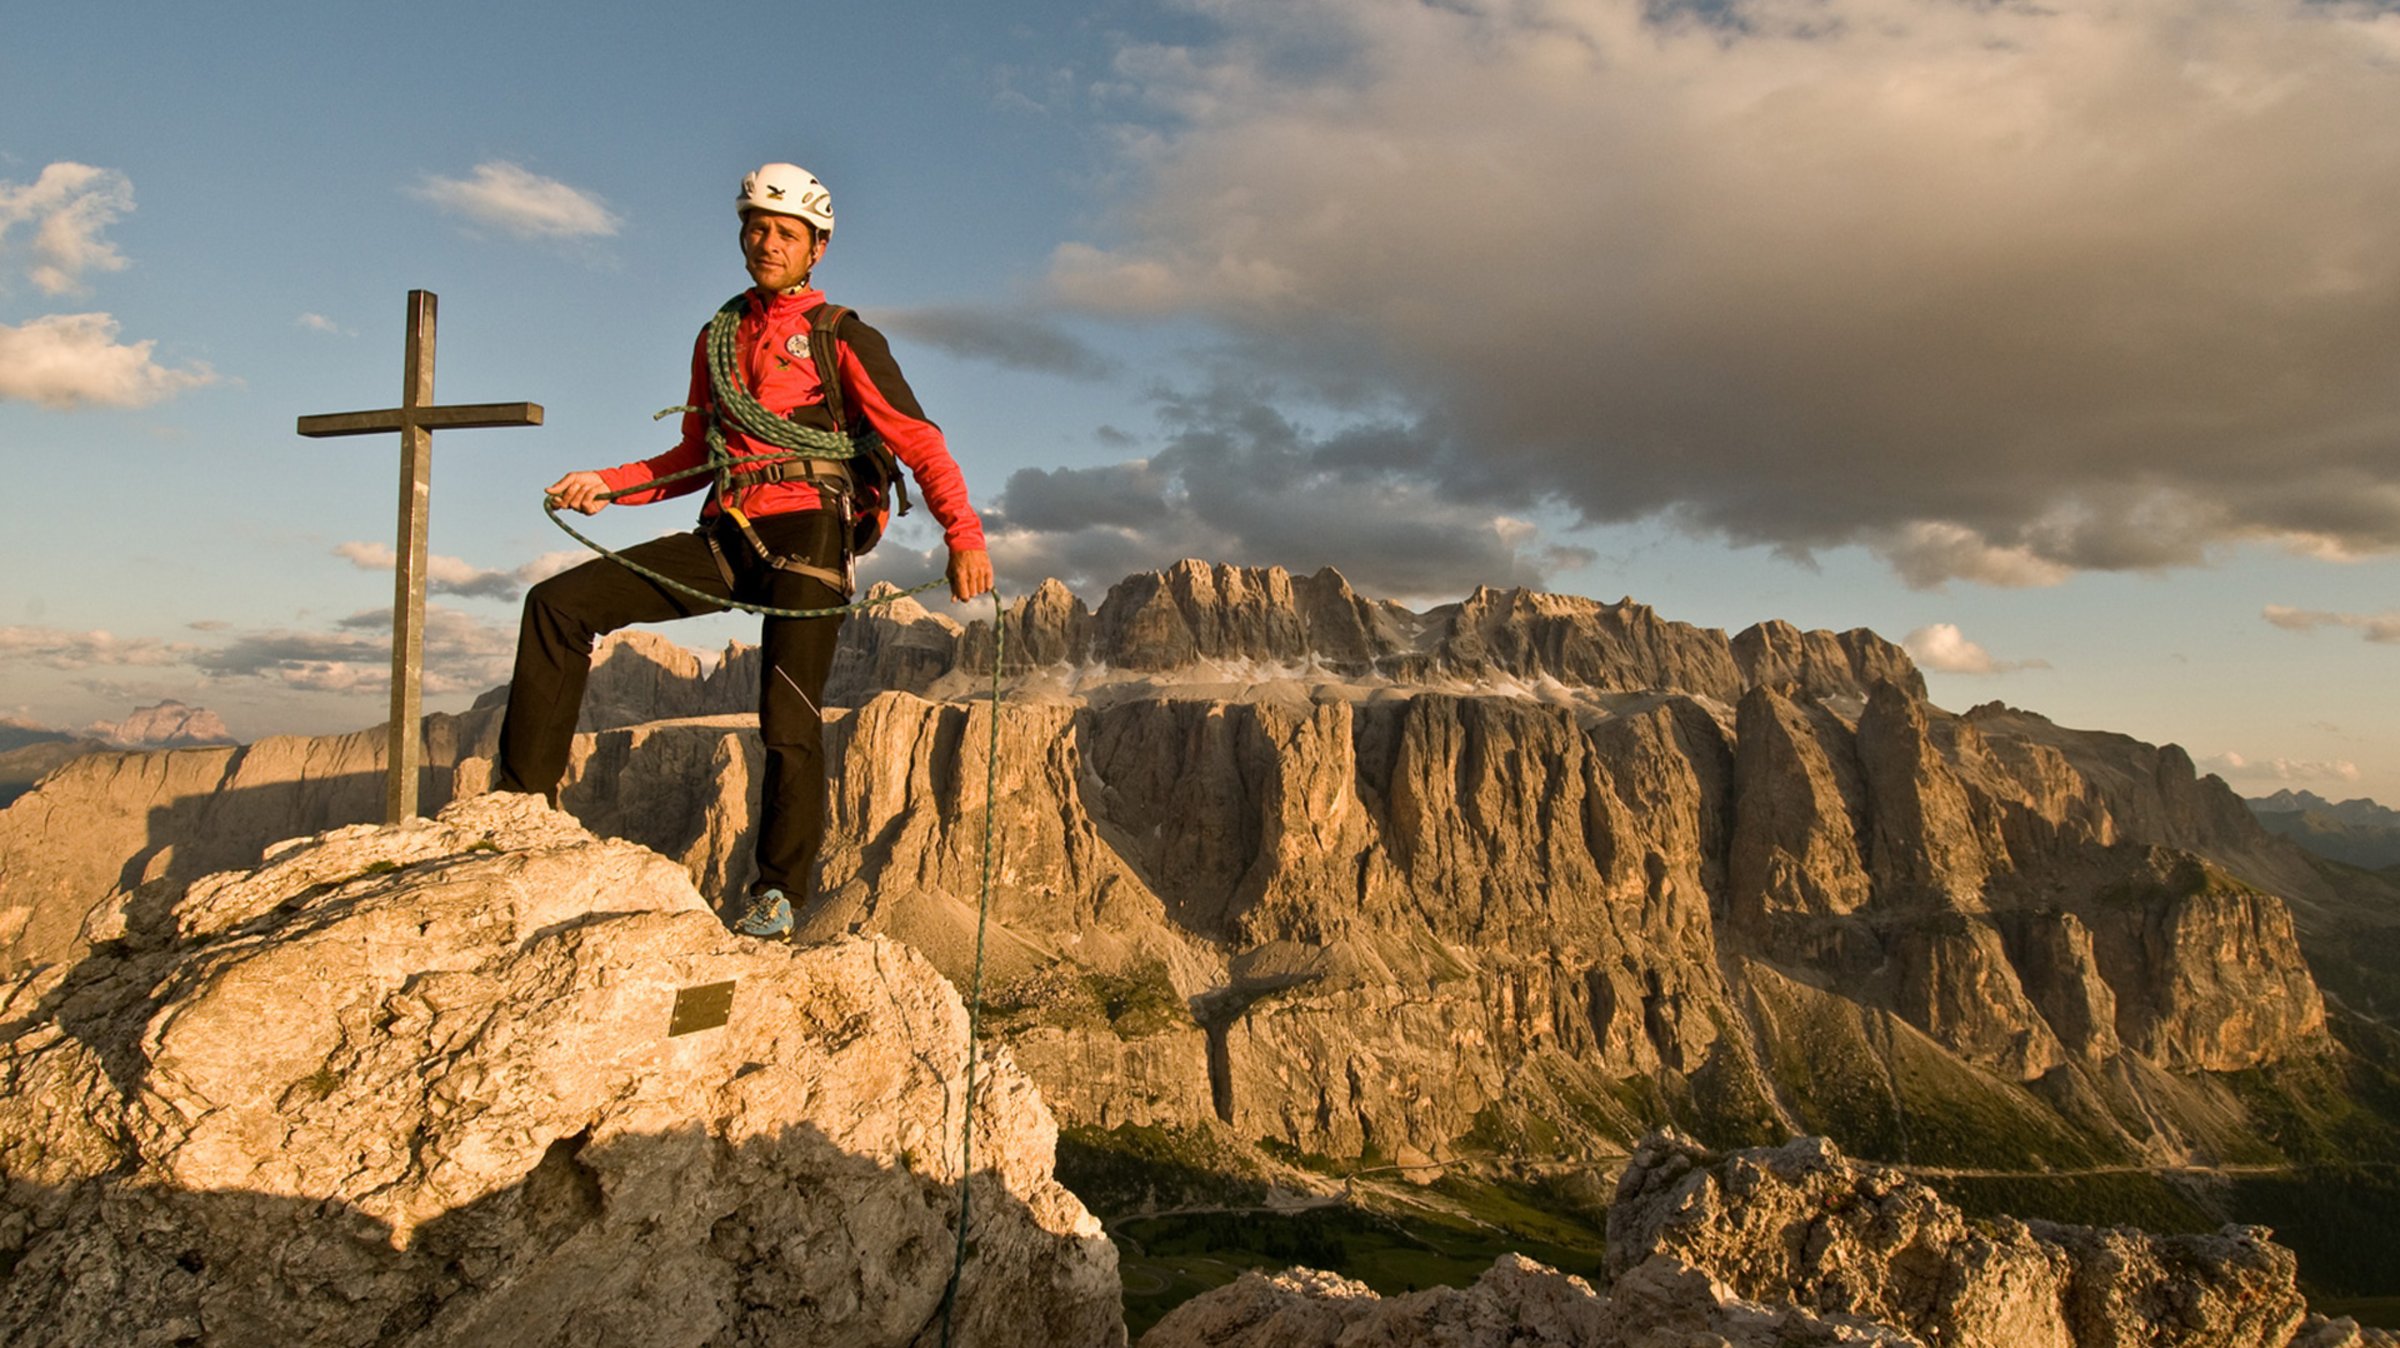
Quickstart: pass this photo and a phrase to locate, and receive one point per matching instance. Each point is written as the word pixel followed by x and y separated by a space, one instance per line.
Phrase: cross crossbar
pixel 458 417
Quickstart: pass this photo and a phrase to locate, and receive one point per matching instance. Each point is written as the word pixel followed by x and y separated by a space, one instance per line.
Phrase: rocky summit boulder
pixel 486 1079
pixel 1799 1245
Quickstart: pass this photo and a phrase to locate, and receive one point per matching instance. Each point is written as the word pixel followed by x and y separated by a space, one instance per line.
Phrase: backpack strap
pixel 886 488
pixel 824 347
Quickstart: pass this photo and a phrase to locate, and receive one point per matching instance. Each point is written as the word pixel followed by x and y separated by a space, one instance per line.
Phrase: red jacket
pixel 772 342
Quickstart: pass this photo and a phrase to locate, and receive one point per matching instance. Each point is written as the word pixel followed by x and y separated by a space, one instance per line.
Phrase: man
pixel 777 536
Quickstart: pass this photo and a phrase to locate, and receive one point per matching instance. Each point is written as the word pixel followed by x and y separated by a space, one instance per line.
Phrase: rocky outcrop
pixel 1517 1302
pixel 1802 1225
pixel 105 824
pixel 454 1082
pixel 1799 1245
pixel 1822 664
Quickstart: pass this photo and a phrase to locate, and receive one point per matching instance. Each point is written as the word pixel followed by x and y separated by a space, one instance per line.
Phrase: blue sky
pixel 2059 343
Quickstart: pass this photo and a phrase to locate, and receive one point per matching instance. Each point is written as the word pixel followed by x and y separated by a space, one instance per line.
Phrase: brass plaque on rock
pixel 701 1008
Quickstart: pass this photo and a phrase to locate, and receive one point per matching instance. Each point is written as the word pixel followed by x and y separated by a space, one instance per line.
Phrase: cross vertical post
pixel 408 568
pixel 416 418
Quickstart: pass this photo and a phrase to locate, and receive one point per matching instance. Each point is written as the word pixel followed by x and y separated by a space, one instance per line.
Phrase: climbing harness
pixel 819 457
pixel 810 445
pixel 846 471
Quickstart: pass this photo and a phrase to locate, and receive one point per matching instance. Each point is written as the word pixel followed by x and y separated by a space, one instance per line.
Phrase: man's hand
pixel 970 573
pixel 587 492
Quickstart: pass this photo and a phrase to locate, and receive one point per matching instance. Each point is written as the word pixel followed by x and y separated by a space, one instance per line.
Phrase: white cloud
pixel 1941 647
pixel 320 323
pixel 550 564
pixel 452 575
pixel 68 206
pixel 2381 628
pixel 516 202
pixel 2001 291
pixel 2236 767
pixel 56 648
pixel 74 360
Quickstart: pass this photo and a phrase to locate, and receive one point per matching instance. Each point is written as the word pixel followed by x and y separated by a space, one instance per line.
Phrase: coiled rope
pixel 808 442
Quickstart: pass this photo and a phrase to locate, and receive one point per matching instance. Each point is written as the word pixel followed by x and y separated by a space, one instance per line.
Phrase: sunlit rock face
pixel 1523 875
pixel 1800 1245
pixel 458 1082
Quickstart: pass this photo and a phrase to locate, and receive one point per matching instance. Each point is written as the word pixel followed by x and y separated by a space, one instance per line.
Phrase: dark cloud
pixel 1016 339
pixel 1237 481
pixel 2000 291
pixel 462 654
pixel 1120 495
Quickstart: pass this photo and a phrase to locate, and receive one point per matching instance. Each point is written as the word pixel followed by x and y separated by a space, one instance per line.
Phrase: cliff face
pixel 1525 874
pixel 448 1083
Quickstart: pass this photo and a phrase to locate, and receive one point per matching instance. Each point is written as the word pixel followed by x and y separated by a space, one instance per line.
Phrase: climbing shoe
pixel 769 916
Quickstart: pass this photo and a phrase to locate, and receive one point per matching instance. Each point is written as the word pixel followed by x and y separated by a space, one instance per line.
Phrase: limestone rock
pixel 104 825
pixel 1516 1302
pixel 1196 616
pixel 1529 870
pixel 1799 797
pixel 1797 1245
pixel 420 1085
pixel 2342 1332
pixel 1929 844
pixel 900 647
pixel 1803 1225
pixel 1823 664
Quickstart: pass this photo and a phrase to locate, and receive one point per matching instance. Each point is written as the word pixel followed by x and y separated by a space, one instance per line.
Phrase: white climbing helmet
pixel 787 189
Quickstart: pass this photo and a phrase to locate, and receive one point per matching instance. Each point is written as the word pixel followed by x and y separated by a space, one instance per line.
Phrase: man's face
pixel 779 250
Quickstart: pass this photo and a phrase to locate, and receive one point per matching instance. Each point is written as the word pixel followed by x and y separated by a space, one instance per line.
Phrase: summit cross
pixel 416 418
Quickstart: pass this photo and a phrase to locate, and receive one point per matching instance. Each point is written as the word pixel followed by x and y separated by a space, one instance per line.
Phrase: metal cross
pixel 416 419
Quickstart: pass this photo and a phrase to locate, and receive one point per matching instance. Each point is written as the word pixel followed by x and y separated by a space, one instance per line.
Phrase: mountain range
pixel 29 752
pixel 1295 882
pixel 2357 832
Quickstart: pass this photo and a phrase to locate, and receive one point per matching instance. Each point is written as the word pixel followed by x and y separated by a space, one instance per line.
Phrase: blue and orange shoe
pixel 768 918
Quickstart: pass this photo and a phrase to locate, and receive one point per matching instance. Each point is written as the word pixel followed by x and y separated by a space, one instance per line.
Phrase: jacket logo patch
pixel 797 344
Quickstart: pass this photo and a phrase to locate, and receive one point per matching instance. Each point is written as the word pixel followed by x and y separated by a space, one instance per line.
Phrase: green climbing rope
pixel 966 1126
pixel 747 412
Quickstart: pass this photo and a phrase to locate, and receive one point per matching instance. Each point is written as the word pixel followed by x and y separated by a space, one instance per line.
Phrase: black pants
pixel 566 613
